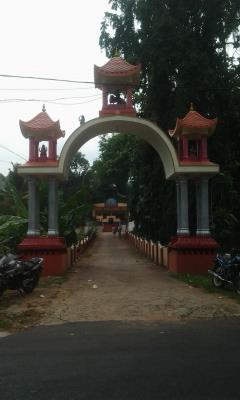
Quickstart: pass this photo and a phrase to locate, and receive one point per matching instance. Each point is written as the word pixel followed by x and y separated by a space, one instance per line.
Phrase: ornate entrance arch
pixel 188 161
pixel 120 124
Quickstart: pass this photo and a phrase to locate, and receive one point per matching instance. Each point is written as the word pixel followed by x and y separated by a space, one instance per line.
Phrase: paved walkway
pixel 114 282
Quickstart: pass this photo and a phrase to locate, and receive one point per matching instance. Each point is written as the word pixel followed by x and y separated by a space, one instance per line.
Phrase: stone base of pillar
pixel 192 254
pixel 53 250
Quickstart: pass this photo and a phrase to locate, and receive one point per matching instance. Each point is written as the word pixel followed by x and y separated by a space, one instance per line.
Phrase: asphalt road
pixel 122 360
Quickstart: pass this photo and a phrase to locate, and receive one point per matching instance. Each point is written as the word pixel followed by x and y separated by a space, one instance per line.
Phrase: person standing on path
pixel 120 229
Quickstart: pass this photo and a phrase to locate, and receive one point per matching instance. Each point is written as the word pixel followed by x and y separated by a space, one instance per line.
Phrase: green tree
pixel 196 69
pixel 151 196
pixel 113 166
pixel 79 166
pixel 13 218
pixel 75 198
pixel 74 204
pixel 188 50
pixel 13 194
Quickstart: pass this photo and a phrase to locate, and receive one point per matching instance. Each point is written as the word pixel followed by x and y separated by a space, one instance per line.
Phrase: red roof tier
pixel 194 122
pixel 41 127
pixel 117 71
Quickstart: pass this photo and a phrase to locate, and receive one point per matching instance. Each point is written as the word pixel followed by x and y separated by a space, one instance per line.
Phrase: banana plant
pixel 12 230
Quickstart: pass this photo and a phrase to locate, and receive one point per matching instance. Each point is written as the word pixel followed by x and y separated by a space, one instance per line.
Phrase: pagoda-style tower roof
pixel 116 71
pixel 194 123
pixel 41 127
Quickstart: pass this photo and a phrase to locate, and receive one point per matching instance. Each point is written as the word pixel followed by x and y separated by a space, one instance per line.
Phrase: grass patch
pixel 13 321
pixel 49 281
pixel 5 324
pixel 205 282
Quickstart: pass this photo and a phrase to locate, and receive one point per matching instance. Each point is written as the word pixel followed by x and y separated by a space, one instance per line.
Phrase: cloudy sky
pixel 48 38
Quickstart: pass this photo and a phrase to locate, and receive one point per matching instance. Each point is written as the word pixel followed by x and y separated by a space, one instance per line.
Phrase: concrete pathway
pixel 114 282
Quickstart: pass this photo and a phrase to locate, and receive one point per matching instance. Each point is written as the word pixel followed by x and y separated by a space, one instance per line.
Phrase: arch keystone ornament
pixel 117 79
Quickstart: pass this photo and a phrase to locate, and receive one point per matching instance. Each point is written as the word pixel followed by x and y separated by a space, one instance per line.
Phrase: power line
pixel 64 80
pixel 13 152
pixel 53 79
pixel 72 104
pixel 53 101
pixel 58 98
pixel 45 89
pixel 45 79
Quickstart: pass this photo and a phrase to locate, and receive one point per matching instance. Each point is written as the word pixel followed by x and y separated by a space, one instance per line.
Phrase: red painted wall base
pixel 192 254
pixel 52 249
pixel 117 109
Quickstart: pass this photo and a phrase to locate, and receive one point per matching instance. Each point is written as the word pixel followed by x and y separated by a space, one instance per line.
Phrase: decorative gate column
pixel 192 253
pixel 182 206
pixel 51 248
pixel 202 206
pixel 33 208
pixel 52 207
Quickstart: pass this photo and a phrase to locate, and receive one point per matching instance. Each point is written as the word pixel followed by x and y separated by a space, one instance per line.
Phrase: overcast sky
pixel 48 38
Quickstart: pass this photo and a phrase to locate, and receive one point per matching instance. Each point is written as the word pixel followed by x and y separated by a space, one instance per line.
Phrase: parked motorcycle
pixel 226 270
pixel 19 275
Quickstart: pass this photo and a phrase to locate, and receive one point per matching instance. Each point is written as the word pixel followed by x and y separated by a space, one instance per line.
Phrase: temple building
pixel 110 213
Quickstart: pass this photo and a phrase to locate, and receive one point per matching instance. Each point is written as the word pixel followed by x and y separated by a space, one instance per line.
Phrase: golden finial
pixel 43 108
pixel 191 106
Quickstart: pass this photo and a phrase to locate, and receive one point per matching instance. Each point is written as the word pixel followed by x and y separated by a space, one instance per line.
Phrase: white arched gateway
pixel 115 124
pixel 190 161
pixel 120 124
pixel 174 169
pixel 142 128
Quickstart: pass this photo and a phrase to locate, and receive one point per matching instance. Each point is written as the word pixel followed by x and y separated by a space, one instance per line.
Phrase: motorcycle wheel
pixel 30 285
pixel 217 283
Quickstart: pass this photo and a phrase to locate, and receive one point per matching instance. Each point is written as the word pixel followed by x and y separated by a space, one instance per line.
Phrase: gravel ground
pixel 114 282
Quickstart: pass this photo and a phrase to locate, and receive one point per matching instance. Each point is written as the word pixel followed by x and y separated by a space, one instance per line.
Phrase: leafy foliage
pixel 13 218
pixel 113 166
pixel 74 205
pixel 72 215
pixel 189 52
pixel 12 230
pixel 151 196
pixel 13 195
pixel 79 166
